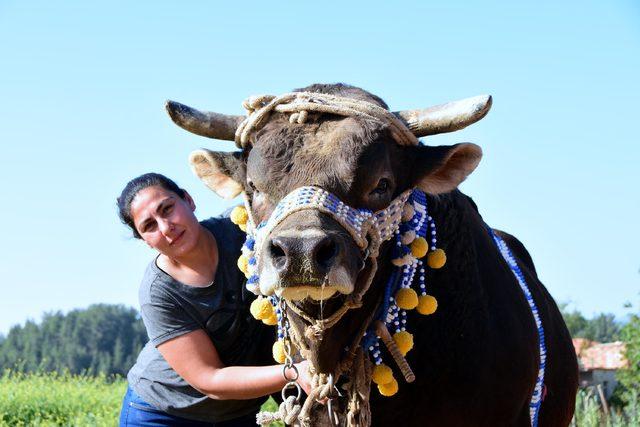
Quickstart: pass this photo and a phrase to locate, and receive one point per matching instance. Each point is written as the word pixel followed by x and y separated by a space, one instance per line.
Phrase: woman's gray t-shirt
pixel 170 309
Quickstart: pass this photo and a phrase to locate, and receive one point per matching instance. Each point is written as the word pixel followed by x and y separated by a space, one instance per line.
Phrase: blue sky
pixel 82 88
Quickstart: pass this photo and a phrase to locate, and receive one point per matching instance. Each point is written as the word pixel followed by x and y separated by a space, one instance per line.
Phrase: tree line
pixel 102 338
pixel 602 327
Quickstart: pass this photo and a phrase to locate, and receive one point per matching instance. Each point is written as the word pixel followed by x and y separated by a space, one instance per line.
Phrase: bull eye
pixel 383 186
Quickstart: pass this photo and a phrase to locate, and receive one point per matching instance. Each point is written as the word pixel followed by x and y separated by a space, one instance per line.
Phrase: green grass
pixel 589 413
pixel 51 399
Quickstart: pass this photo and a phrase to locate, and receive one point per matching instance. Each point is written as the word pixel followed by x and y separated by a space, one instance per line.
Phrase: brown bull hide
pixel 476 359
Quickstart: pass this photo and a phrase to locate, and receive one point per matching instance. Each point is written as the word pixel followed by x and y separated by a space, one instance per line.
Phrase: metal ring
pixel 296 375
pixel 288 386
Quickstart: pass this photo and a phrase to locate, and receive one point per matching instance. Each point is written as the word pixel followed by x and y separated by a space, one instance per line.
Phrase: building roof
pixel 594 355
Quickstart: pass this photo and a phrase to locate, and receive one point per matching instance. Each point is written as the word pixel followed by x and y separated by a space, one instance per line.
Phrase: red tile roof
pixel 595 355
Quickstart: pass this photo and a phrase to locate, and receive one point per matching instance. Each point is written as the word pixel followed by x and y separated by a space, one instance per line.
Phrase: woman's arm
pixel 194 357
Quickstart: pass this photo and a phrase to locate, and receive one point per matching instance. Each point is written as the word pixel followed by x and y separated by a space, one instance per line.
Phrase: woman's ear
pixel 221 171
pixel 441 169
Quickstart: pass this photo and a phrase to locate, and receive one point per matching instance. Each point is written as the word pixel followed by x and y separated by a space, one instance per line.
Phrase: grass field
pixel 59 400
pixel 50 399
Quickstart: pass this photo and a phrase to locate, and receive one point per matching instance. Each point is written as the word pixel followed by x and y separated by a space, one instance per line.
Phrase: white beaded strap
pixel 536 398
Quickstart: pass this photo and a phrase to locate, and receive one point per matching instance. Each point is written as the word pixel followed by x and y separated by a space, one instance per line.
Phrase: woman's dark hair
pixel 134 186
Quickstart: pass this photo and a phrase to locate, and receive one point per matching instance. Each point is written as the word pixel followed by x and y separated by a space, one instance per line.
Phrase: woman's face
pixel 165 221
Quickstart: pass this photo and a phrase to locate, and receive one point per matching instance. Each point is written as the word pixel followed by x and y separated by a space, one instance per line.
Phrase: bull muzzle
pixel 309 256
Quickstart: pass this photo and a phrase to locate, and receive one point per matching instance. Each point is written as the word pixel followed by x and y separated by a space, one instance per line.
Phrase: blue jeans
pixel 138 413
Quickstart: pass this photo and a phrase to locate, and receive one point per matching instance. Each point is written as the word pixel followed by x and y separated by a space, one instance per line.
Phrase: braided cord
pixel 299 104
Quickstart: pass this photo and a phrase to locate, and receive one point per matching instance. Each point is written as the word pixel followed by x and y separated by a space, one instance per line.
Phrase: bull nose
pixel 317 252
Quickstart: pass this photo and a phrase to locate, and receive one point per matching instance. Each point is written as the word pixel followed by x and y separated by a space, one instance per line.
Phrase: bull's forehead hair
pixel 324 151
pixel 348 91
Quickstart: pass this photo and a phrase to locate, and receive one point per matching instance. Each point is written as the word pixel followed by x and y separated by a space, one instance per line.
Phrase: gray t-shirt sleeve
pixel 164 318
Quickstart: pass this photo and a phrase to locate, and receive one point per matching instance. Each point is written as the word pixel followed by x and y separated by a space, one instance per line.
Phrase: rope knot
pixel 299 117
pixel 289 410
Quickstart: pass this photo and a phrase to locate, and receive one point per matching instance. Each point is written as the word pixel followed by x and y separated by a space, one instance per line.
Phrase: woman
pixel 204 362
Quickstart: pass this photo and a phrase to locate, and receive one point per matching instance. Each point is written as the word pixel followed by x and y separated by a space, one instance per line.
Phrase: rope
pixel 288 413
pixel 300 104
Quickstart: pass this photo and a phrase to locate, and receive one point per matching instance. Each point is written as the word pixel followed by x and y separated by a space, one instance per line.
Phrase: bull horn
pixel 204 123
pixel 445 118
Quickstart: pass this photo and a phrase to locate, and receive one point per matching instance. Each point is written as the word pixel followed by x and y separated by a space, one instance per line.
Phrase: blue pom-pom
pixel 250 243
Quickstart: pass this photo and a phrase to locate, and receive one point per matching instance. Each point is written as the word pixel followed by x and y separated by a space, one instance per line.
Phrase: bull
pixel 477 360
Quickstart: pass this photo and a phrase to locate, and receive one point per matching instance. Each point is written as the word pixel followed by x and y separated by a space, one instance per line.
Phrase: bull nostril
pixel 325 253
pixel 278 254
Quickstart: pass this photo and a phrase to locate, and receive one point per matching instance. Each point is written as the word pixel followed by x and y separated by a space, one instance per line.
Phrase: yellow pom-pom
pixel 243 227
pixel 436 259
pixel 419 247
pixel 427 304
pixel 382 374
pixel 261 308
pixel 271 320
pixel 278 351
pixel 239 215
pixel 404 341
pixel 243 264
pixel 388 389
pixel 406 298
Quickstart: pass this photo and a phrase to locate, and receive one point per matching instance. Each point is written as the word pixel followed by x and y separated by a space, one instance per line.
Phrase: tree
pixel 601 328
pixel 630 377
pixel 102 338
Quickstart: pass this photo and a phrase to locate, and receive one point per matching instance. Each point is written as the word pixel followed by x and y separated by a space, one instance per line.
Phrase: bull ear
pixel 221 171
pixel 441 169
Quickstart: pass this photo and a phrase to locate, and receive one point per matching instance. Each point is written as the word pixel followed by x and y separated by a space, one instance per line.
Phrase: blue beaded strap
pixel 536 398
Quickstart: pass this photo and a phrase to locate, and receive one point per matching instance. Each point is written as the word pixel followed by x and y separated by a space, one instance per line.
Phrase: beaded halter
pixel 406 220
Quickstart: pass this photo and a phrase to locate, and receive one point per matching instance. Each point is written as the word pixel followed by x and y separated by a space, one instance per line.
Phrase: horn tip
pixel 487 103
pixel 178 112
pixel 172 106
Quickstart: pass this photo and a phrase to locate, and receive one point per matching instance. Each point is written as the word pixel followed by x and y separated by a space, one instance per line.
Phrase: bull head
pixel 309 258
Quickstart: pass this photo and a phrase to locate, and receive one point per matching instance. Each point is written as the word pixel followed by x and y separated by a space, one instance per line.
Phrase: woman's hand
pixel 304 376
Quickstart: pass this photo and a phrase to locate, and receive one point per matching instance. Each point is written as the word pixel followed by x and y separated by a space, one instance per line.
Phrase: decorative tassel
pixel 388 390
pixel 278 352
pixel 382 374
pixel 408 237
pixel 402 363
pixel 436 259
pixel 407 212
pixel 427 304
pixel 271 320
pixel 261 308
pixel 419 247
pixel 239 216
pixel 404 341
pixel 243 265
pixel 406 298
